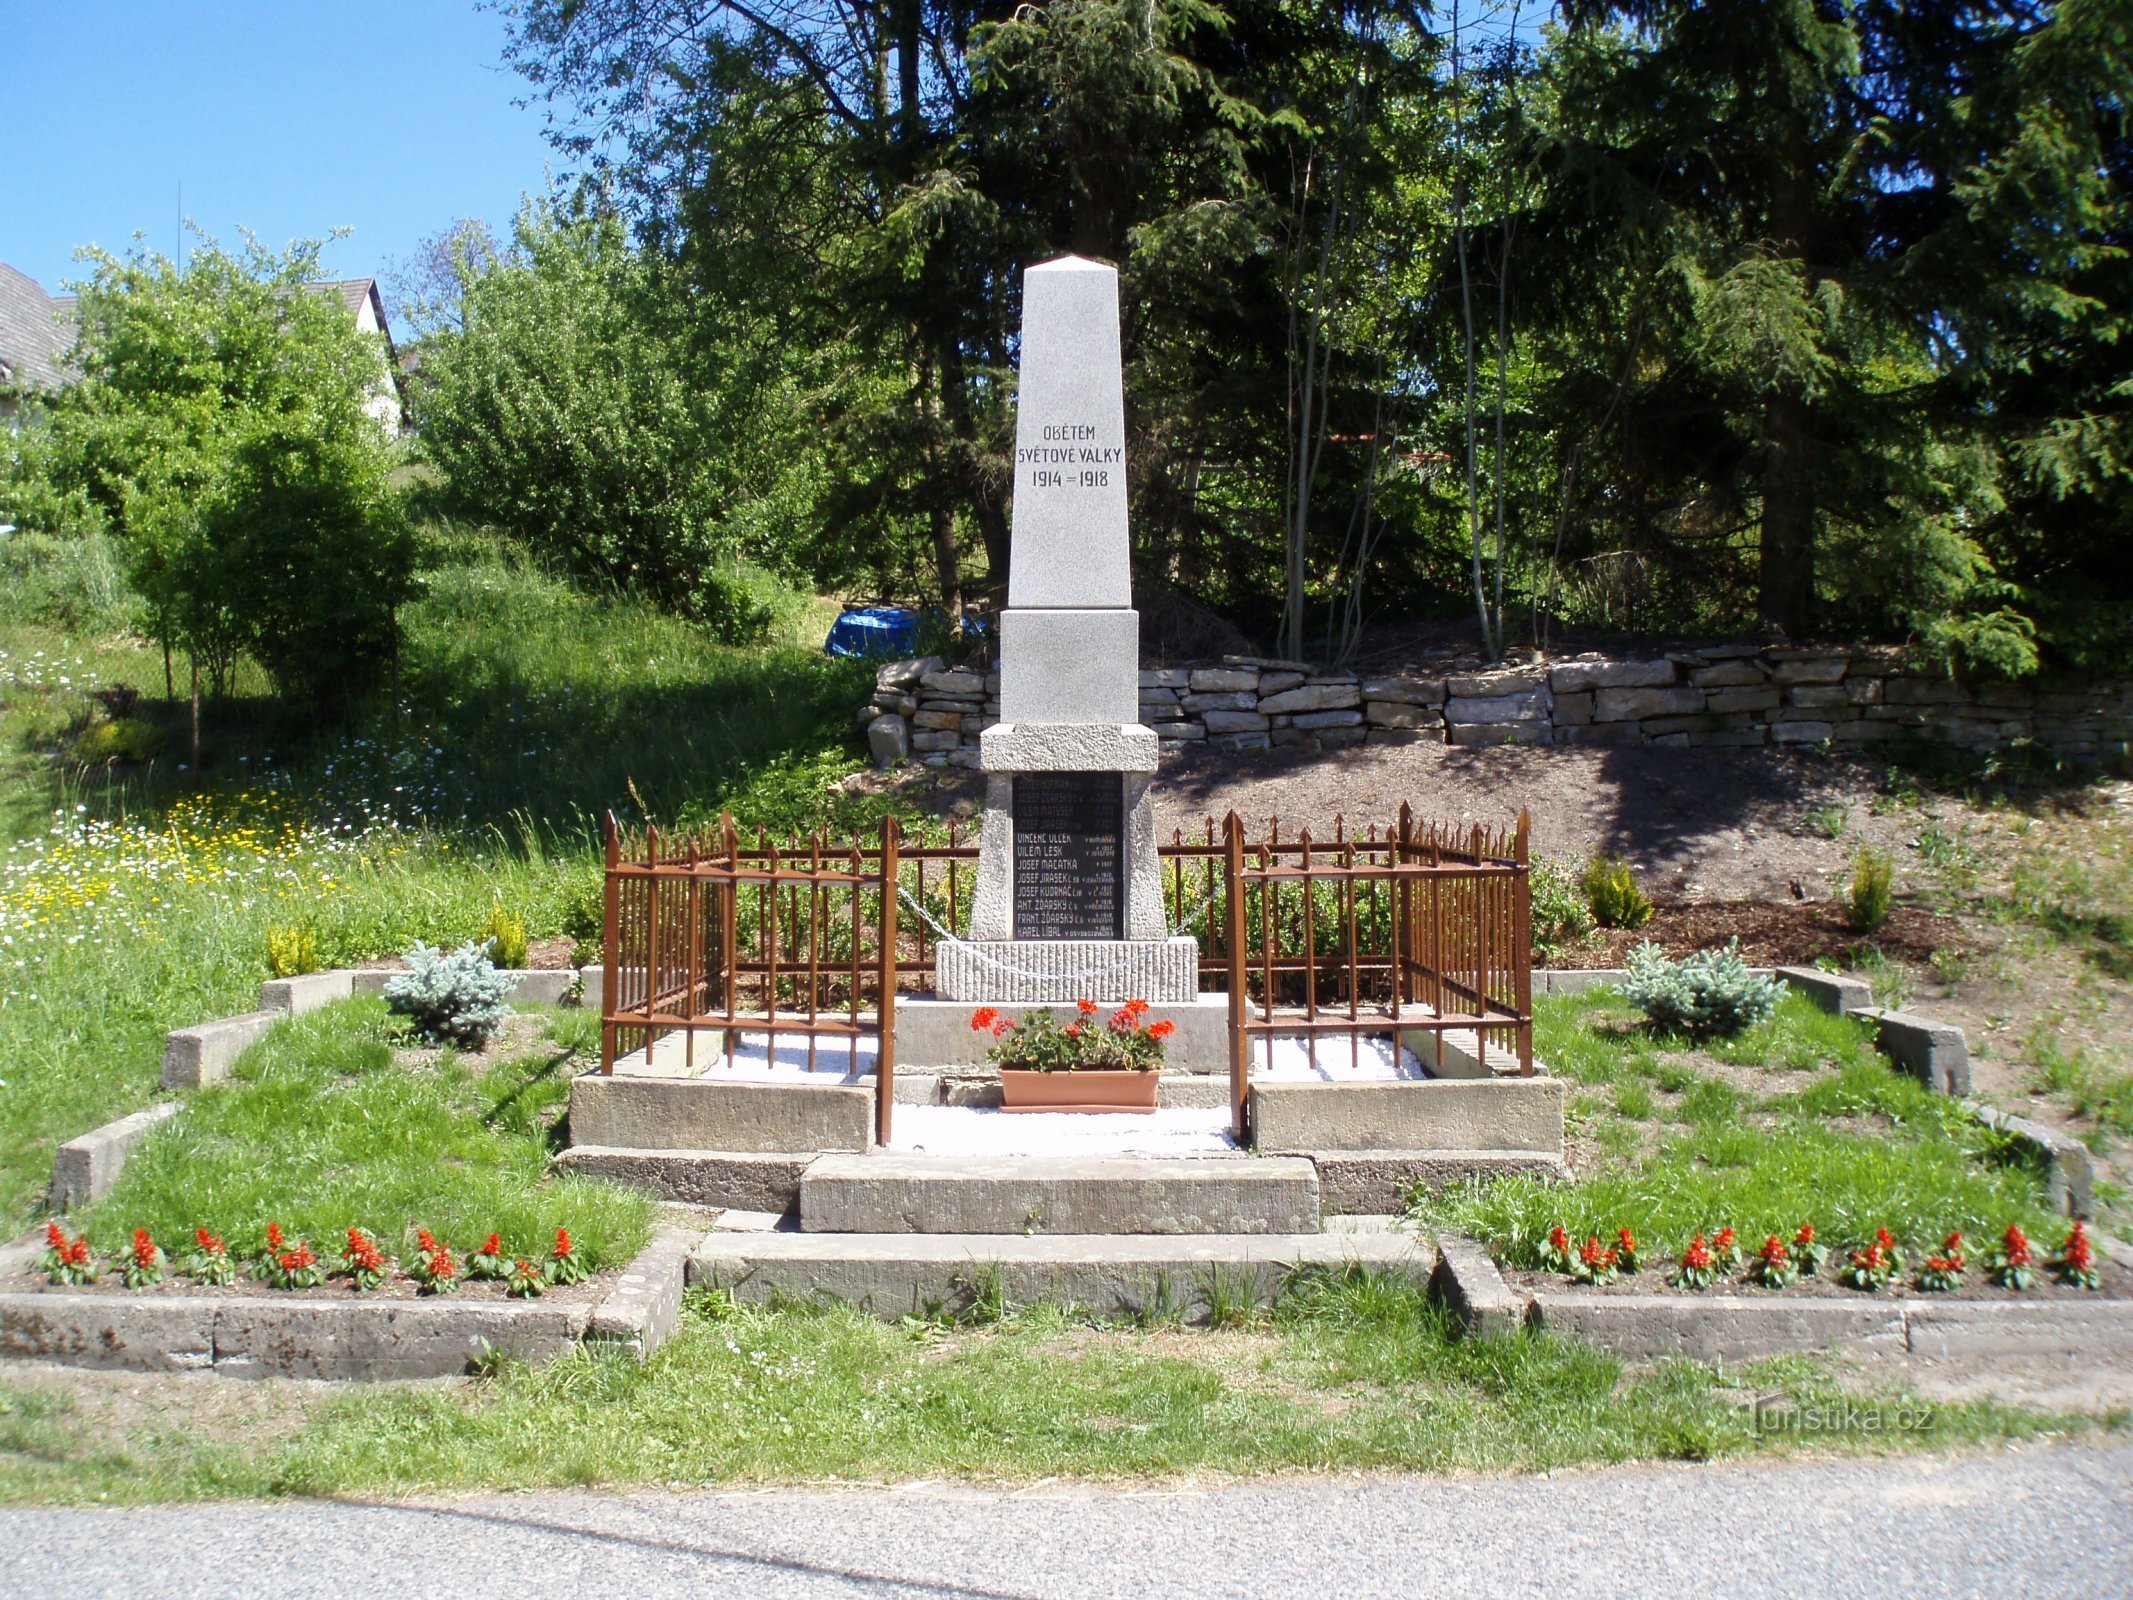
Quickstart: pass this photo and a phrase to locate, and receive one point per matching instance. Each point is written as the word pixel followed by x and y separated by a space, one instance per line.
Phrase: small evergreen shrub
pixel 455 998
pixel 1873 890
pixel 1561 918
pixel 505 936
pixel 1611 890
pixel 293 950
pixel 1709 994
pixel 121 739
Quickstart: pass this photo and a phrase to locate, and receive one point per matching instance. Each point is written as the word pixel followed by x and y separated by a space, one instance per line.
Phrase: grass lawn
pixel 131 907
pixel 1798 1120
pixel 320 1129
pixel 1352 1373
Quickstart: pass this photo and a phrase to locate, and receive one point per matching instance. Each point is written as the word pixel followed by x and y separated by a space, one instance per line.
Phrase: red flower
pixel 1884 1241
pixel 1162 1030
pixel 1806 1235
pixel 56 1237
pixel 1073 1030
pixel 209 1243
pixel 1722 1241
pixel 1593 1255
pixel 1626 1241
pixel 563 1246
pixel 427 1240
pixel 2016 1245
pixel 1088 1008
pixel 1773 1252
pixel 1002 1028
pixel 982 1018
pixel 144 1248
pixel 1558 1239
pixel 2080 1254
pixel 441 1264
pixel 1121 1021
pixel 1698 1256
pixel 275 1242
pixel 1138 1007
pixel 77 1253
pixel 1951 1248
pixel 491 1246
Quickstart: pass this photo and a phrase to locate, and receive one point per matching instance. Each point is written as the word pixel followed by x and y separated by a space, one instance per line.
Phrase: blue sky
pixel 390 117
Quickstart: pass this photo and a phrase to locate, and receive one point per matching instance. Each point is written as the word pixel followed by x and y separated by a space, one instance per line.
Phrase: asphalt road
pixel 2033 1523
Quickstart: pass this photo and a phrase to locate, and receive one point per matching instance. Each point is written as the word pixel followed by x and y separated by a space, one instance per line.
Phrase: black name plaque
pixel 1070 855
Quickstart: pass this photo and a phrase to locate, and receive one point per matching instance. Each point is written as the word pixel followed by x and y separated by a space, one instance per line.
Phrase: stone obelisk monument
pixel 1069 898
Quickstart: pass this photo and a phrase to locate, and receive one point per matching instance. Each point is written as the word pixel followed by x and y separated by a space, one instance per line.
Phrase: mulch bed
pixel 1774 934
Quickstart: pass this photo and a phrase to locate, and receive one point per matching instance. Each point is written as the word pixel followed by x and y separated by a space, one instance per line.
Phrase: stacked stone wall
pixel 1716 695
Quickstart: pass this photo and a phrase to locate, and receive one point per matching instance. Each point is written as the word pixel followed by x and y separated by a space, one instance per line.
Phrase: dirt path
pixel 1697 824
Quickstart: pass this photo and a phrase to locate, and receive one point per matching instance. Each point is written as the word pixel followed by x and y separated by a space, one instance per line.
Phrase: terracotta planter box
pixel 1079 1091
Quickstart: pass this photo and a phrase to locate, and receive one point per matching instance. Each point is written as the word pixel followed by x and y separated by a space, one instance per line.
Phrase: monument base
pixel 1104 970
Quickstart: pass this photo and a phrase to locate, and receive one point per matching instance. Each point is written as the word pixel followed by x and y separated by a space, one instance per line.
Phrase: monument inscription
pixel 1069 856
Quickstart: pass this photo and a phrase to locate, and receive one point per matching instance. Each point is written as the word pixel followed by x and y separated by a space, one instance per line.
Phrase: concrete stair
pixel 1190 1276
pixel 892 1193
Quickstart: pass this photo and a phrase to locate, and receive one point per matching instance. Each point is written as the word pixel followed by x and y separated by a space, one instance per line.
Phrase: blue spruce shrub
pixel 451 999
pixel 1710 993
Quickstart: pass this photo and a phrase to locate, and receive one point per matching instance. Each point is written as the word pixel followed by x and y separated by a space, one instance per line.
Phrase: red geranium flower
pixel 983 1018
pixel 1138 1007
pixel 1121 1021
pixel 1002 1028
pixel 1163 1029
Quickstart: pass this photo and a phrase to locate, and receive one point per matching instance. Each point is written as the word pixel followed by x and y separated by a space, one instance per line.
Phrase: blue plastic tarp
pixel 883 631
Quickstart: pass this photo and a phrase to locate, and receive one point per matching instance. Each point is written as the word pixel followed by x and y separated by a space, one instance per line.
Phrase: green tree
pixel 572 407
pixel 217 427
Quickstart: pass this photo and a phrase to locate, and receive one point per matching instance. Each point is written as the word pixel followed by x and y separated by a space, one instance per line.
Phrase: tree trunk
pixel 1788 533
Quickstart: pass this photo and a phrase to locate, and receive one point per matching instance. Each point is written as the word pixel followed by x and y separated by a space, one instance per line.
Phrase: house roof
pixel 34 335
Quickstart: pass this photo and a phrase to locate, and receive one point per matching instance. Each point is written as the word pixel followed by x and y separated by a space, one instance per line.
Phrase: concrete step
pixel 902 1194
pixel 1111 1275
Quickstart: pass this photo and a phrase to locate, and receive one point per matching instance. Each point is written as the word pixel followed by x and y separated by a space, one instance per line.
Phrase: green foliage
pixel 503 935
pixel 1710 993
pixel 1612 892
pixel 1562 920
pixel 1873 890
pixel 219 430
pixel 120 739
pixel 458 998
pixel 571 408
pixel 293 950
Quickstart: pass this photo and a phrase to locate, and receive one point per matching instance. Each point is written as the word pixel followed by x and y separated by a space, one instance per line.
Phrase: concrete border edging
pixel 2069 1175
pixel 642 1309
pixel 342 1338
pixel 1722 1327
pixel 85 1168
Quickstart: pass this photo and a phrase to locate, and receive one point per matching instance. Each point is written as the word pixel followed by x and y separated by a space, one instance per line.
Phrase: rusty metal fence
pixel 1399 931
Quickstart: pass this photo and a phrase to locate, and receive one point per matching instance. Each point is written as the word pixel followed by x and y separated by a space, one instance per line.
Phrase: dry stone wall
pixel 1715 695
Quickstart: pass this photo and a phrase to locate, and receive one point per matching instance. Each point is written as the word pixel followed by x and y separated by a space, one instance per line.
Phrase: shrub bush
pixel 504 934
pixel 1611 889
pixel 293 950
pixel 455 998
pixel 1561 918
pixel 1873 890
pixel 1710 993
pixel 121 739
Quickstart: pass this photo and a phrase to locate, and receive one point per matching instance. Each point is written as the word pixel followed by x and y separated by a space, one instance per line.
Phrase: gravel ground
pixel 2037 1522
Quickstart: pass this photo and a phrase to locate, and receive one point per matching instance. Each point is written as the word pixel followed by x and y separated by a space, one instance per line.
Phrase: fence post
pixel 885 1046
pixel 1522 941
pixel 610 921
pixel 1239 1041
